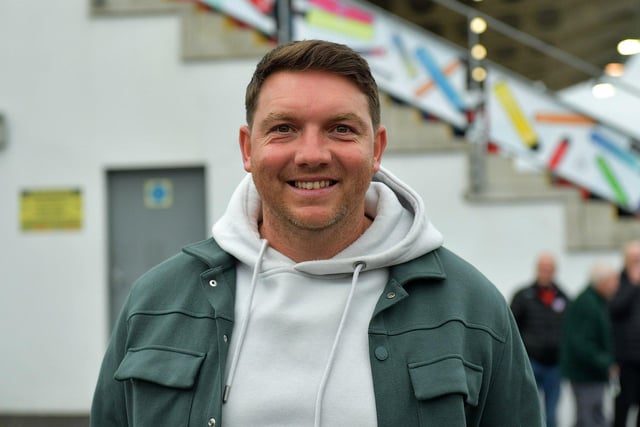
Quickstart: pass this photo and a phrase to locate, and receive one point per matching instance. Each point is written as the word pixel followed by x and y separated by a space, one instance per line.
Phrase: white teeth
pixel 312 185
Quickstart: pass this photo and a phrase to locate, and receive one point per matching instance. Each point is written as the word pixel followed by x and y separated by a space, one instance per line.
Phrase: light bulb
pixel 478 52
pixel 478 25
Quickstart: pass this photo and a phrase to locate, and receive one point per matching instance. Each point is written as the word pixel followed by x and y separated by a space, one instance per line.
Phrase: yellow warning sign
pixel 51 210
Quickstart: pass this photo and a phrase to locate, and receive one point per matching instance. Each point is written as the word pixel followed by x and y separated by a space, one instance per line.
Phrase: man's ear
pixel 379 145
pixel 244 138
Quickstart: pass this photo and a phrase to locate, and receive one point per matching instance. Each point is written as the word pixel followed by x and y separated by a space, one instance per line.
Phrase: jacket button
pixel 212 422
pixel 213 283
pixel 381 353
pixel 391 295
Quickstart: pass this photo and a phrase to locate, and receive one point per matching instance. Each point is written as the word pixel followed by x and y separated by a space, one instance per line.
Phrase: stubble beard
pixel 290 221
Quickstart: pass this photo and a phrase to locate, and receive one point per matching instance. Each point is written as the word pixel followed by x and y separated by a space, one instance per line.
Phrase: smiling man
pixel 325 296
pixel 312 149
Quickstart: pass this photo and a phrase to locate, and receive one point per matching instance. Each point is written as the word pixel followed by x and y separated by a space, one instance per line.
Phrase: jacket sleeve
pixel 108 408
pixel 513 388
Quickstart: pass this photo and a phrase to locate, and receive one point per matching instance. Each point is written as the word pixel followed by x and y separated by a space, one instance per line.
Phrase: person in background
pixel 586 356
pixel 539 310
pixel 324 296
pixel 625 316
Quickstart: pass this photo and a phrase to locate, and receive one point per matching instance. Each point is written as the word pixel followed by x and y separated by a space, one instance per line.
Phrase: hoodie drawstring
pixel 359 266
pixel 245 322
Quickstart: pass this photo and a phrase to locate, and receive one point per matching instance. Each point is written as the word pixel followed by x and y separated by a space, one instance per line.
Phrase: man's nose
pixel 312 150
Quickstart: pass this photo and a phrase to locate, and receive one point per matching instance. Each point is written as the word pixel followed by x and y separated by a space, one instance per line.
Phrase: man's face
pixel 312 150
pixel 546 270
pixel 610 286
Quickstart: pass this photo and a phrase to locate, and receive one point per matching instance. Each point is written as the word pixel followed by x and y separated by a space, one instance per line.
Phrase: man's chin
pixel 312 225
pixel 314 221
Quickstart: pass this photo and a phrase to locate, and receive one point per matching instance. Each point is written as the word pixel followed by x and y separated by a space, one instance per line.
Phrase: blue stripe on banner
pixel 439 78
pixel 628 158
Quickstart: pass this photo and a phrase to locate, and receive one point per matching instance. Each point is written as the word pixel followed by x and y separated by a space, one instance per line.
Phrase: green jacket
pixel 444 348
pixel 587 348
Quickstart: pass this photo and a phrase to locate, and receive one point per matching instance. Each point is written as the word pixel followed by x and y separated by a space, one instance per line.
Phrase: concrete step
pixel 133 7
pixel 409 131
pixel 209 35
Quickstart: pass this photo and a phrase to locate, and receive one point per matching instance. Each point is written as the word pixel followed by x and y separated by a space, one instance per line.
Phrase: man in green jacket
pixel 587 357
pixel 324 297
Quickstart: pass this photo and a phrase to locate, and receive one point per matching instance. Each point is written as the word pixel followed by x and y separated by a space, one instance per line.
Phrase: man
pixel 625 314
pixel 587 358
pixel 324 297
pixel 539 310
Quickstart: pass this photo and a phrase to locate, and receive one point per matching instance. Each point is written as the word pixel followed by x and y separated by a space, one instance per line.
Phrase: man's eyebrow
pixel 351 117
pixel 277 116
pixel 274 117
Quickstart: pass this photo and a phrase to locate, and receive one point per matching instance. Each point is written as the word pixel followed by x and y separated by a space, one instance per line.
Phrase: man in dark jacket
pixel 539 310
pixel 625 314
pixel 586 357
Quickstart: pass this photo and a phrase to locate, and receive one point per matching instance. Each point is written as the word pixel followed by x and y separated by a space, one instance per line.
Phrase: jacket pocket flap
pixel 451 375
pixel 168 367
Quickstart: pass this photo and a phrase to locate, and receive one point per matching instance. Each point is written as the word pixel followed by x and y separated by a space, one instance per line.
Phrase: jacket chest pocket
pixel 447 390
pixel 160 385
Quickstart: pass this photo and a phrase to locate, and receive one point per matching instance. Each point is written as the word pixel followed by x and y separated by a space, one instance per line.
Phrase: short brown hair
pixel 315 55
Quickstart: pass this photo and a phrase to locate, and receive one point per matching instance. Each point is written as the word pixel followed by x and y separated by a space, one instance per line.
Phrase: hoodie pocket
pixel 160 385
pixel 447 389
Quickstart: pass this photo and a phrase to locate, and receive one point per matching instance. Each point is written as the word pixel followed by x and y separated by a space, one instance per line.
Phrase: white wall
pixel 83 95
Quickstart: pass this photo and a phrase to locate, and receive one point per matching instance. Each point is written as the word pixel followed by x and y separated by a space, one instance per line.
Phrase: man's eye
pixel 282 128
pixel 343 129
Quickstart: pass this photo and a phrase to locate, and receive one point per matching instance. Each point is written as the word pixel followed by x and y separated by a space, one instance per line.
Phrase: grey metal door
pixel 152 214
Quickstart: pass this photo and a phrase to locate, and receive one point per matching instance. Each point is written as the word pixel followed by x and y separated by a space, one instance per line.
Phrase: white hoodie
pixel 299 354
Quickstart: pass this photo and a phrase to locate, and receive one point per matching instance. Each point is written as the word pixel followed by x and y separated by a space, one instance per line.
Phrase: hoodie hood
pixel 400 232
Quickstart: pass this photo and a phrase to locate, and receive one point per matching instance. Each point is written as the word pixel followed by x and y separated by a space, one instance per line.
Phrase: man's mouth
pixel 312 185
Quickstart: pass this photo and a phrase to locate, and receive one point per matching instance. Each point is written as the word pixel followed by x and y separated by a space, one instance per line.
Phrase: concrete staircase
pixel 590 224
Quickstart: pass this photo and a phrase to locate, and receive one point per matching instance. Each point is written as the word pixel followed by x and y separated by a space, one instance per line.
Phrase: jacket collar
pixel 209 252
pixel 427 266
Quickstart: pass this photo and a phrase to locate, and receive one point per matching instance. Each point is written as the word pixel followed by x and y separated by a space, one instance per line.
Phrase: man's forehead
pixel 318 75
pixel 278 95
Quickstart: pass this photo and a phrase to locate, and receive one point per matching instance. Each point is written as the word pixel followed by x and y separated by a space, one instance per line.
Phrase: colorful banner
pixel 573 146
